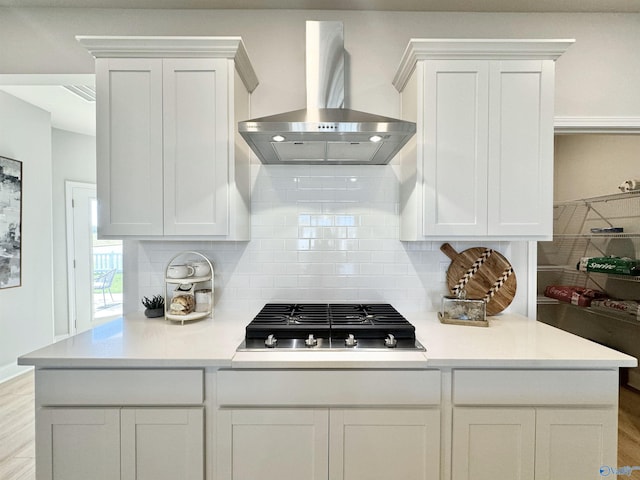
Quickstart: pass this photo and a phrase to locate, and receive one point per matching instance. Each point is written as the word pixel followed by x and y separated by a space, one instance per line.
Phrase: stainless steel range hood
pixel 325 132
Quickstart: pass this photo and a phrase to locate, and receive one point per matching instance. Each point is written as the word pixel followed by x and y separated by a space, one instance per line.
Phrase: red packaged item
pixel 572 294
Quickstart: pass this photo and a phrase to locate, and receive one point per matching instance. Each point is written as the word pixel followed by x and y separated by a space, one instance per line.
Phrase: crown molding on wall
pixel 629 125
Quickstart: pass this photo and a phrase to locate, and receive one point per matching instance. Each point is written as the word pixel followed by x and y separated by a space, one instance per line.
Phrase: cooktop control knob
pixel 311 342
pixel 350 341
pixel 271 341
pixel 390 341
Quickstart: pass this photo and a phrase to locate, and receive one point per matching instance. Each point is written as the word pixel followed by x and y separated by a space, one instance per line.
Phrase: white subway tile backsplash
pixel 319 234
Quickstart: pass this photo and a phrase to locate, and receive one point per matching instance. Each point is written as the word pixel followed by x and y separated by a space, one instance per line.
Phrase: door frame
pixel 69 185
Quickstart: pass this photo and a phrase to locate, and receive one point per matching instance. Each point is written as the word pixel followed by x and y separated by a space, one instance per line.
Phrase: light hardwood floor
pixel 17 449
pixel 629 430
pixel 17 429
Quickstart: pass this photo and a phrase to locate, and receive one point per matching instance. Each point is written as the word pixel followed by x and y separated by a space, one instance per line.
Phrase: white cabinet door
pixel 490 443
pixel 455 147
pixel 575 444
pixel 162 443
pixel 129 146
pixel 384 444
pixel 196 146
pixel 273 444
pixel 78 444
pixel 520 188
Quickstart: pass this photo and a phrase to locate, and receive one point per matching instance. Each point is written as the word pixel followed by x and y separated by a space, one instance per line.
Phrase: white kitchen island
pixel 147 399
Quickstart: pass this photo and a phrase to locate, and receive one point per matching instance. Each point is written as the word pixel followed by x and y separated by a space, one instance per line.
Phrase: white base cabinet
pixel 273 444
pixel 126 444
pixel 319 424
pixel 78 443
pixel 120 424
pixel 481 163
pixel 493 443
pixel 162 444
pixel 328 424
pixel 381 444
pixel 532 443
pixel 533 424
pixel 339 444
pixel 573 444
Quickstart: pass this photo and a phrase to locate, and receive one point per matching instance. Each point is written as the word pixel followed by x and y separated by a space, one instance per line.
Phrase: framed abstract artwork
pixel 10 222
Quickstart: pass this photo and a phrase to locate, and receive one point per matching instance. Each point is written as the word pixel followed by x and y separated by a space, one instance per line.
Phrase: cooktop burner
pixel 329 326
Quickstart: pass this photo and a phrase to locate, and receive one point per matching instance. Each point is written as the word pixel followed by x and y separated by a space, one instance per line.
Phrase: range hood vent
pixel 325 132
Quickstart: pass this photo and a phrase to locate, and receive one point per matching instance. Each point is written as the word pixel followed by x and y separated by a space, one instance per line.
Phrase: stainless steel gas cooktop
pixel 317 326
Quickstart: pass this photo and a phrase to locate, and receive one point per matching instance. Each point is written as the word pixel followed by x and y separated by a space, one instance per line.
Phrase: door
pixel 491 443
pixel 80 197
pixel 455 147
pixel 521 148
pixel 129 146
pixel 94 268
pixel 78 444
pixel 575 444
pixel 162 443
pixel 273 444
pixel 384 444
pixel 196 146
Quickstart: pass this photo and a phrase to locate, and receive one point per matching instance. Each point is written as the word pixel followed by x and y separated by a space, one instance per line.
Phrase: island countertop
pixel 511 341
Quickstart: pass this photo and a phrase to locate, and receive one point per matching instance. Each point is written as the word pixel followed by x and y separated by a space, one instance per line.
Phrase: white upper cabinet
pixel 170 163
pixel 481 163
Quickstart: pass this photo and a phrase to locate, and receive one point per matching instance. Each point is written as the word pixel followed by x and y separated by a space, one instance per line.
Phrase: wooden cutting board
pixel 483 273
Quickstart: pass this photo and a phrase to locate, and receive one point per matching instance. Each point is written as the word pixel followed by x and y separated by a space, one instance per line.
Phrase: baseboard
pixel 633 379
pixel 57 338
pixel 7 372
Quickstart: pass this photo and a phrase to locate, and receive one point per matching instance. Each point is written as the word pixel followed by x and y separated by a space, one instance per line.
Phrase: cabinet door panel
pixel 575 444
pixel 384 444
pixel 196 133
pixel 455 150
pixel 162 444
pixel 521 148
pixel 490 443
pixel 78 443
pixel 273 444
pixel 129 146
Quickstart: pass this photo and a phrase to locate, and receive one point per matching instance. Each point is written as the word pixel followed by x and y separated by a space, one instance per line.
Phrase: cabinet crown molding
pixel 469 48
pixel 173 47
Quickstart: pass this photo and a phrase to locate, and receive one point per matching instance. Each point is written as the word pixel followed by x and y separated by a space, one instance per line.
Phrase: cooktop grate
pixel 335 325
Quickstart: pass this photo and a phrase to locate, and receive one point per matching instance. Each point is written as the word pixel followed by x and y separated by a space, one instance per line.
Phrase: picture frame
pixel 10 223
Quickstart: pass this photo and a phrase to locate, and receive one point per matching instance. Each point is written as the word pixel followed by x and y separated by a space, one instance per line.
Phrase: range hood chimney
pixel 325 133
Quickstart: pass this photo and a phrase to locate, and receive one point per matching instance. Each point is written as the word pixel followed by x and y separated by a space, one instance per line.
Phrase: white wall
pixel 26 312
pixel 588 165
pixel 598 76
pixel 74 158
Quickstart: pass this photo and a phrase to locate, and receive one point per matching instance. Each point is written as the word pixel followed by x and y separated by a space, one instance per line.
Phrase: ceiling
pixel 622 6
pixel 68 111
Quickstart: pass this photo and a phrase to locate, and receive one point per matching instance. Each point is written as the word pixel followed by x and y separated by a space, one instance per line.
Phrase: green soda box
pixel 614 265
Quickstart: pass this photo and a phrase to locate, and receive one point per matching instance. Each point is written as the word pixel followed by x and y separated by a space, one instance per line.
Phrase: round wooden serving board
pixel 482 273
